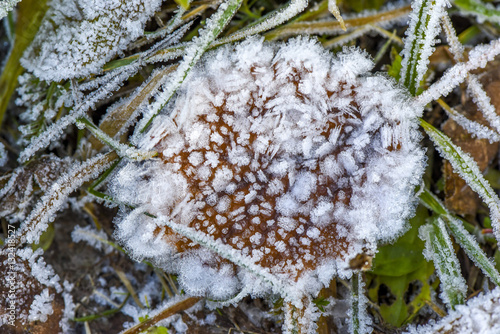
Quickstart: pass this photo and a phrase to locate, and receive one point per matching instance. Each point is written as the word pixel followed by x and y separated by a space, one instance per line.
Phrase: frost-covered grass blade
pixel 468 170
pixel 423 29
pixel 467 241
pixel 439 249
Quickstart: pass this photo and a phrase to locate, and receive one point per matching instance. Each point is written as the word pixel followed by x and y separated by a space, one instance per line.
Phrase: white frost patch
pixel 41 307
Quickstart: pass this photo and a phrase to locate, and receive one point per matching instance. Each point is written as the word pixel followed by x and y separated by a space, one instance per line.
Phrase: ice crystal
pixel 278 153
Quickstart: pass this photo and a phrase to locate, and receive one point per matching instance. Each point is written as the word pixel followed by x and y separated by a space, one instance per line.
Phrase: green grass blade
pixel 467 168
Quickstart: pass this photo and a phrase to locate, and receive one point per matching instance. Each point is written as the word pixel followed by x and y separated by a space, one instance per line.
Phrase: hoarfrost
pixel 245 169
pixel 76 38
pixel 480 315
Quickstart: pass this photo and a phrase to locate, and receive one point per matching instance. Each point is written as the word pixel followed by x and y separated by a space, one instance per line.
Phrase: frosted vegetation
pixel 242 154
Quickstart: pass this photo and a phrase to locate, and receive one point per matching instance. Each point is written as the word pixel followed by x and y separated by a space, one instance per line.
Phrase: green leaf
pixel 394 70
pixel 320 303
pixel 46 238
pixel 462 236
pixel 399 279
pixel 401 297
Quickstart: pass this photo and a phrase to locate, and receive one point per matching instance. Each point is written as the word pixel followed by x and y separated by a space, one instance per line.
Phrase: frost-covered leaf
pixel 24 184
pixel 58 193
pixel 273 157
pixel 78 37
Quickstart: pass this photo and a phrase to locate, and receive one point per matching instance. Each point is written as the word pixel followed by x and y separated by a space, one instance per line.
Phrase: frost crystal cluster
pixel 297 159
pixel 78 37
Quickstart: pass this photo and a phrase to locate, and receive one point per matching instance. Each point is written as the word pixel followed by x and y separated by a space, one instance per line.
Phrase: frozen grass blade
pixel 269 21
pixel 483 102
pixel 439 249
pixel 334 27
pixel 56 196
pixel 462 236
pixel 355 304
pixel 334 9
pixel 474 128
pixel 478 58
pixel 423 29
pixel 56 130
pixel 472 249
pixel 475 88
pixel 214 27
pixel 468 170
pixel 171 309
pixel 483 12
